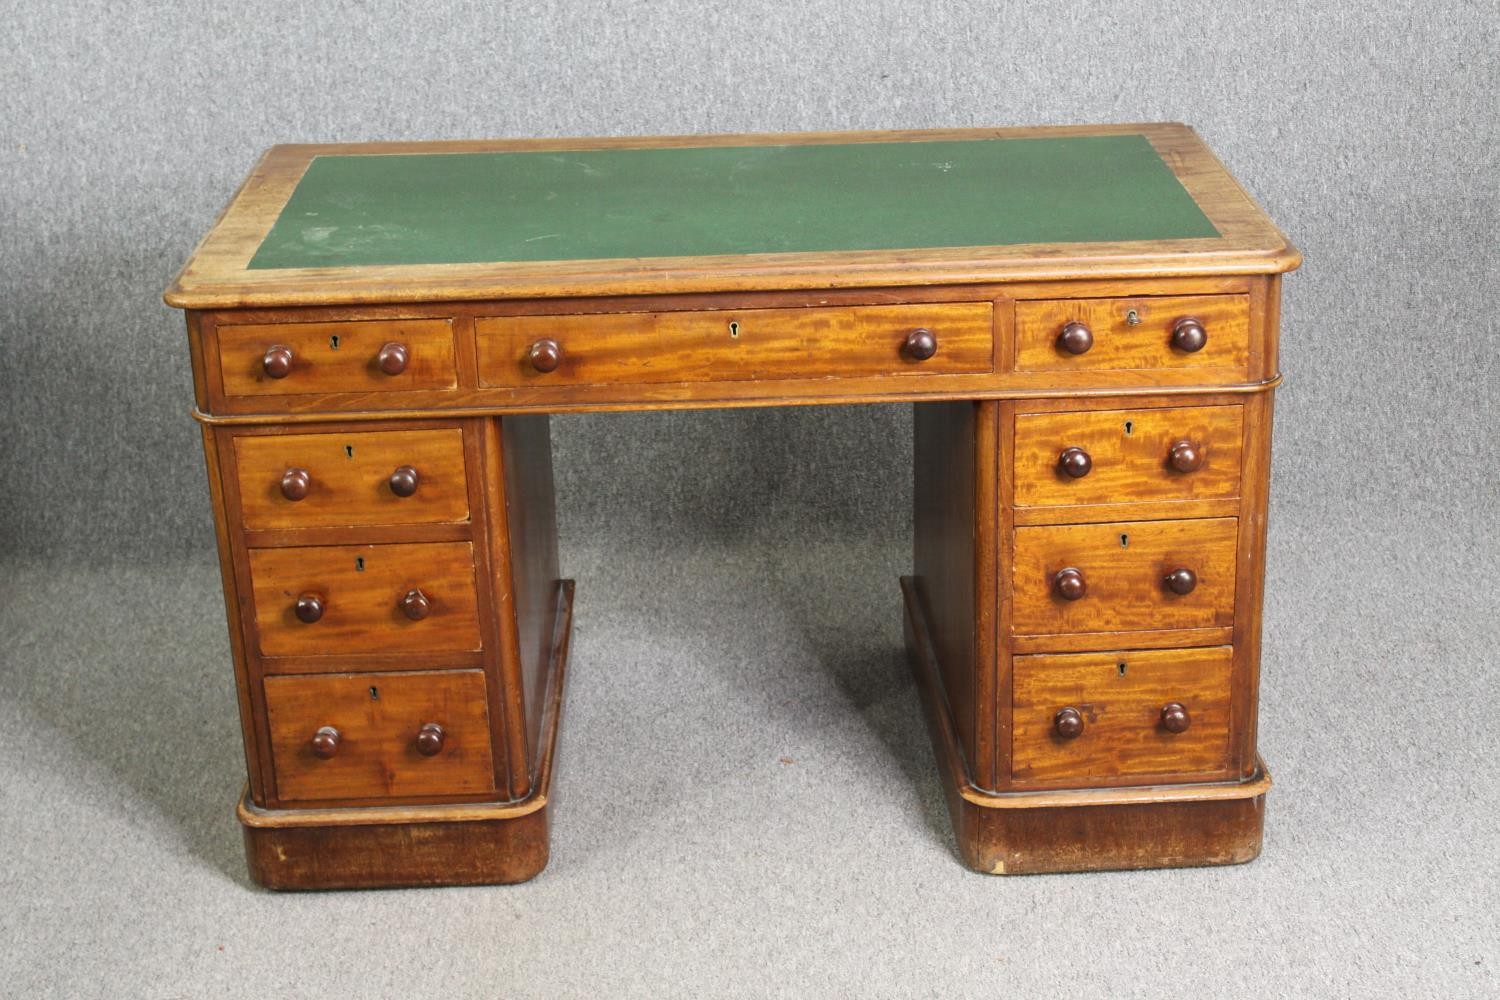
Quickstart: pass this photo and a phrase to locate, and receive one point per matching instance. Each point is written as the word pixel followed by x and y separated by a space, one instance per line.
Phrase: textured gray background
pixel 737 599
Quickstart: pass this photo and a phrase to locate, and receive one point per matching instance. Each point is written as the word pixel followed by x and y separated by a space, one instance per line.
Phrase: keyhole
pixel 333 342
pixel 348 451
pixel 1129 426
pixel 1118 666
pixel 734 328
pixel 375 691
pixel 1124 541
pixel 359 564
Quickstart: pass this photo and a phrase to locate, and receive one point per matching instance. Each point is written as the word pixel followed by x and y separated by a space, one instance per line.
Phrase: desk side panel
pixel 953 562
pixel 531 519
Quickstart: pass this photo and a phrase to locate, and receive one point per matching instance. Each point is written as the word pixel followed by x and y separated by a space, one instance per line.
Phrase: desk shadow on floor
pixel 136 677
pixel 853 627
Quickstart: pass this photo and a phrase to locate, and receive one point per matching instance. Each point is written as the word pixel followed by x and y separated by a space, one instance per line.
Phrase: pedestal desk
pixel 1083 319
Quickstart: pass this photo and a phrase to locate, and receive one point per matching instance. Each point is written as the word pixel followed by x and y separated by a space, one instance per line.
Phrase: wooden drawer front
pixel 1124 565
pixel 337 357
pixel 729 346
pixel 1147 343
pixel 348 478
pixel 377 719
pixel 1130 455
pixel 1120 698
pixel 360 589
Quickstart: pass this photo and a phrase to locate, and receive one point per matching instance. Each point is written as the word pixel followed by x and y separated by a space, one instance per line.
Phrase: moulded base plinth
pixel 393 846
pixel 1020 833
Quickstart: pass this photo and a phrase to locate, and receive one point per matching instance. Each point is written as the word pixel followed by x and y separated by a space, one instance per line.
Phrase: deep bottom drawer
pixel 1090 716
pixel 377 735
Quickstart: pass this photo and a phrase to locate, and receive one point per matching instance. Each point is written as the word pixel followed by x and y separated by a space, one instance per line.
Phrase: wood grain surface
pixel 1123 564
pixel 1121 344
pixel 378 717
pixel 1128 451
pixel 339 356
pixel 360 586
pixel 349 478
pixel 736 345
pixel 1120 696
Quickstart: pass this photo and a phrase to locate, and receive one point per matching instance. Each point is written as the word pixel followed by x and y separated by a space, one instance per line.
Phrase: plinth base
pixel 1022 833
pixel 394 846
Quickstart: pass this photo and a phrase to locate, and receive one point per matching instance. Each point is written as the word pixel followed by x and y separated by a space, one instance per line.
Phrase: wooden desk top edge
pixel 216 277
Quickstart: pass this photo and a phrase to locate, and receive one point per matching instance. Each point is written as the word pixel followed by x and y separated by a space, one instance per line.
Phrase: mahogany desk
pixel 1085 320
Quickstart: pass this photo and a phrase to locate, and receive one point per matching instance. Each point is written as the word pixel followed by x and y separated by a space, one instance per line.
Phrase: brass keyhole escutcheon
pixel 1129 427
pixel 333 342
pixel 359 564
pixel 734 328
pixel 348 451
pixel 1121 668
pixel 1124 541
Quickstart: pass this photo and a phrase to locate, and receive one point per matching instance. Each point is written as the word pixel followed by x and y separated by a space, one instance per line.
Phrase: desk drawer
pixel 1087 717
pixel 351 599
pixel 1137 333
pixel 357 478
pixel 283 359
pixel 1128 456
pixel 807 343
pixel 1114 577
pixel 357 736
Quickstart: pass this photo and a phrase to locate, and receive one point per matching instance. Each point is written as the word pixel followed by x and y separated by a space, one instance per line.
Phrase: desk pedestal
pixel 389 847
pixel 1027 833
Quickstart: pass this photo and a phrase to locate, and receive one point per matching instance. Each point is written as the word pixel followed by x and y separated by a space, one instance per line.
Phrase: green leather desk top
pixel 473 207
pixel 491 220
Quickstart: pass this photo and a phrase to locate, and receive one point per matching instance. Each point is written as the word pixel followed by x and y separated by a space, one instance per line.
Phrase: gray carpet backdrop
pixel 737 570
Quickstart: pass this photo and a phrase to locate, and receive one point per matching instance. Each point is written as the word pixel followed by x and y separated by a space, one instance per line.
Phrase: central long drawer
pixel 736 345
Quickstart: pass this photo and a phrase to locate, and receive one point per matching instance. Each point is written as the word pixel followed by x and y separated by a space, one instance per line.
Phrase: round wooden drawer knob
pixel 1069 584
pixel 920 345
pixel 1181 581
pixel 325 742
pixel 1075 338
pixel 278 361
pixel 295 483
pixel 1188 335
pixel 1185 457
pixel 392 358
pixel 1075 462
pixel 545 355
pixel 404 481
pixel 1174 717
pixel 430 740
pixel 416 605
pixel 309 608
pixel 1068 723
